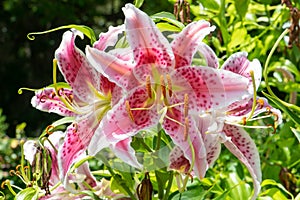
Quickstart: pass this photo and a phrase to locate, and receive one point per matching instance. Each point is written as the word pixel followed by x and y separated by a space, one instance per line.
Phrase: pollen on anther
pixel 128 109
pixel 163 86
pixel 169 82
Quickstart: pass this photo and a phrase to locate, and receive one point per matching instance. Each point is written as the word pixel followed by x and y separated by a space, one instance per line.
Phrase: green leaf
pixel 27 194
pixel 296 133
pixel 87 31
pixel 168 17
pixel 211 5
pixel 167 27
pixel 161 179
pixel 241 7
pixel 275 191
pixel 138 3
pixel 238 37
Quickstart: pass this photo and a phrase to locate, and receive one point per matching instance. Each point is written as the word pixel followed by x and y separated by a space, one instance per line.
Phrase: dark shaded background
pixel 26 63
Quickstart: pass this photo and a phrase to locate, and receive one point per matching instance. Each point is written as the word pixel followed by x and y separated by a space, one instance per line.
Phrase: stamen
pixel 43 98
pixel 261 103
pixel 49 129
pixel 186 128
pixel 163 87
pixel 127 106
pixel 75 128
pixel 186 105
pixel 268 110
pixel 17 167
pixel 244 120
pixel 169 82
pixel 274 128
pixel 3 185
pixel 254 95
pixel 148 87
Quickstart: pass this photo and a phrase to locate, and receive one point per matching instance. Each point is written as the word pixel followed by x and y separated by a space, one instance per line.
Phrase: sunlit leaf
pixel 27 194
pixel 296 133
pixel 138 3
pixel 168 17
pixel 241 7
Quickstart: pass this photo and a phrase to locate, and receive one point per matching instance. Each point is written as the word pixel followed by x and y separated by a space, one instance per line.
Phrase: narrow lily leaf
pixel 27 194
pixel 241 7
pixel 168 17
pixel 138 3
pixel 296 133
pixel 87 31
pixel 290 113
pixel 167 27
pixel 278 185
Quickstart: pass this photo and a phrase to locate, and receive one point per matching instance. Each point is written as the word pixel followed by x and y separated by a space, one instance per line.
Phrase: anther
pixel 244 121
pixel 127 106
pixel 43 98
pixel 75 126
pixel 163 86
pixel 268 110
pixel 12 172
pixel 49 129
pixel 18 167
pixel 186 105
pixel 186 128
pixel 3 184
pixel 60 91
pixel 148 87
pixel 169 81
pixel 274 128
pixel 261 103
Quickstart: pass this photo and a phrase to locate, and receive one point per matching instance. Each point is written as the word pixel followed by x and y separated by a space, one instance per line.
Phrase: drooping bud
pixel 145 189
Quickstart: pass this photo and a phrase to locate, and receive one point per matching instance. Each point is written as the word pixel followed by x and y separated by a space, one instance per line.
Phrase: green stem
pixel 7 183
pixel 166 196
pixel 254 96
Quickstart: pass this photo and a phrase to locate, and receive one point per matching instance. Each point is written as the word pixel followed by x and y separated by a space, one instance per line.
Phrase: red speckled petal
pixel 76 69
pixel 209 55
pixel 244 110
pixel 209 88
pixel 186 43
pixel 117 124
pixel 46 100
pixel 78 136
pixel 238 63
pixel 110 38
pixel 242 146
pixel 115 69
pixel 176 132
pixel 178 162
pixel 147 42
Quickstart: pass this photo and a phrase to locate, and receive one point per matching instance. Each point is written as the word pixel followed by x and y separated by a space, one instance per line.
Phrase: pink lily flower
pixel 226 125
pixel 82 173
pixel 88 98
pixel 162 87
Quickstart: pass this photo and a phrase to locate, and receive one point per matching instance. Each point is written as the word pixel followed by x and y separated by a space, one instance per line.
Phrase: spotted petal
pixel 186 43
pixel 242 146
pixel 188 139
pixel 78 136
pixel 115 69
pixel 109 38
pixel 76 69
pixel 208 89
pixel 46 100
pixel 238 63
pixel 147 42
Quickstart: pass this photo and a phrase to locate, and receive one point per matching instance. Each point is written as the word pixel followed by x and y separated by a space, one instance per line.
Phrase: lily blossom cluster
pixel 113 93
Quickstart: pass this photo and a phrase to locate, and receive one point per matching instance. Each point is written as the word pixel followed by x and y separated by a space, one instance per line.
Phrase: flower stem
pixel 168 188
pixel 265 73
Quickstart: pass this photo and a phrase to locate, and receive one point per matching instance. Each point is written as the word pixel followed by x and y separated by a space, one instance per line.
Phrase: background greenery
pixel 242 25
